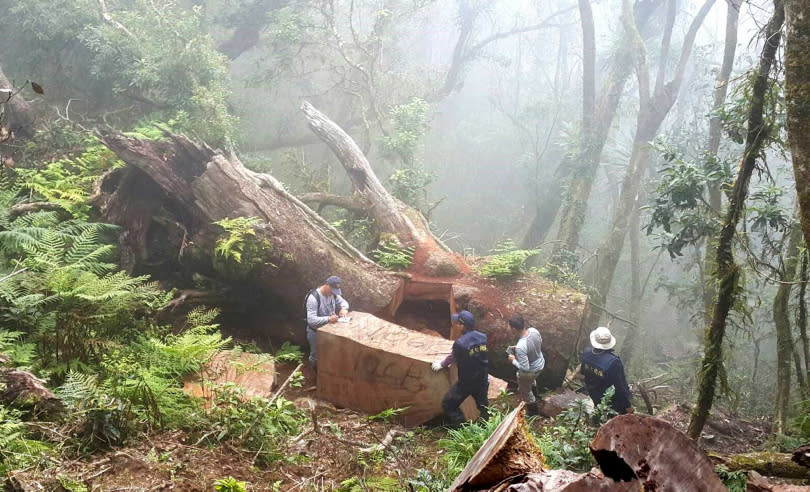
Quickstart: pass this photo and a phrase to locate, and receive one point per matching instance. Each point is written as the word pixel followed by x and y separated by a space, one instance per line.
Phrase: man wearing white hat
pixel 603 369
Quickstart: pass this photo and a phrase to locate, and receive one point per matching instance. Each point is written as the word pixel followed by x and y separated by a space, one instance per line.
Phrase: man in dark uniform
pixel 603 369
pixel 470 355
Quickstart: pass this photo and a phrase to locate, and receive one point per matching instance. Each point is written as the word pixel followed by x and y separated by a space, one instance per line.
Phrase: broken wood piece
pixel 801 456
pixel 509 451
pixel 651 450
pixel 23 390
pixel 286 382
pixel 254 373
pixel 371 365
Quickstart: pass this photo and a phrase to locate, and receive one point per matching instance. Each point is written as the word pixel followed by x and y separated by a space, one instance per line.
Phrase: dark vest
pixel 472 358
pixel 596 367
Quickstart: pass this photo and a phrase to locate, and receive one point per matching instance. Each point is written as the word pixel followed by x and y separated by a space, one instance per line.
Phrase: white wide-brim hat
pixel 601 338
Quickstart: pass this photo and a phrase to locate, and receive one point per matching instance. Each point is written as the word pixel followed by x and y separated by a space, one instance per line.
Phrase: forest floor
pixel 723 433
pixel 172 461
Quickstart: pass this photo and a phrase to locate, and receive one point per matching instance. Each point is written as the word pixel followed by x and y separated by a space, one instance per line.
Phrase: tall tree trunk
pixel 784 334
pixel 633 331
pixel 567 195
pixel 715 132
pixel 727 270
pixel 797 362
pixel 653 108
pixel 797 100
pixel 801 319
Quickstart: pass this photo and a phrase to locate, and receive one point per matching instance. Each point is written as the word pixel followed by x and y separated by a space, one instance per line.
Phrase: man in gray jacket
pixel 324 305
pixel 527 357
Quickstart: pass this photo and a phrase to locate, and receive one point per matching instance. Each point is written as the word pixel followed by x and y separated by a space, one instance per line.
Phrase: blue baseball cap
pixel 334 283
pixel 465 317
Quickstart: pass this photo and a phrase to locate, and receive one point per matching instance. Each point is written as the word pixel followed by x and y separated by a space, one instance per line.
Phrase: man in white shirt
pixel 527 357
pixel 324 305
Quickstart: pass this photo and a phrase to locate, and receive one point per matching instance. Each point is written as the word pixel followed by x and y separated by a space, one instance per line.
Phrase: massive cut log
pixel 172 191
pixel 371 365
pixel 663 458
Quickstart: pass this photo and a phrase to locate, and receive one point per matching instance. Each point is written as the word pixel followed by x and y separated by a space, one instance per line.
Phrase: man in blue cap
pixel 470 355
pixel 324 305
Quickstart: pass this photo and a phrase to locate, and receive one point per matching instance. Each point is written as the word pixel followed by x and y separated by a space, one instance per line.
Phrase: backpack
pixel 306 298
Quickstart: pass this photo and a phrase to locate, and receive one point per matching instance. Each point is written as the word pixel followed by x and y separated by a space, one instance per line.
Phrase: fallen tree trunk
pixel 371 365
pixel 765 463
pixel 173 191
pixel 193 186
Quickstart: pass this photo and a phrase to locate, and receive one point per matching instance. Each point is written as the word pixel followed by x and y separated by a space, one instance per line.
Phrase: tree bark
pixel 20 118
pixel 797 100
pixel 727 270
pixel 766 463
pixel 784 334
pixel 199 186
pixel 801 319
pixel 633 331
pixel 715 197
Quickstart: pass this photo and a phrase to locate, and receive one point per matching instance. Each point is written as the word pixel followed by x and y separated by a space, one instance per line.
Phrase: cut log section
pixel 663 458
pixel 371 365
pixel 508 452
pixel 255 374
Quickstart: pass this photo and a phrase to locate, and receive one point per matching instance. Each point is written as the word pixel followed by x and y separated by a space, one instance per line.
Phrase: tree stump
pixel 663 458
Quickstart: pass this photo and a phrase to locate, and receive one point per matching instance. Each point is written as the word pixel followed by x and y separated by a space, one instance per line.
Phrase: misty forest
pixel 404 245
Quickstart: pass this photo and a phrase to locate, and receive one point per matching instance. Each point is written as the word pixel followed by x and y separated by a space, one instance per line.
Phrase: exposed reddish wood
pixel 372 365
pixel 638 446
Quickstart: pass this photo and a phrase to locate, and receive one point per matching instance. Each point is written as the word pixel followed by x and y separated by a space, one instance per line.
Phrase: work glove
pixel 436 366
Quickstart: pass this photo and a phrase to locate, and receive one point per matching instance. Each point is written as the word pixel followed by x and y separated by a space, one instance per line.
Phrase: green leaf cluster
pixel 392 256
pixel 508 261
